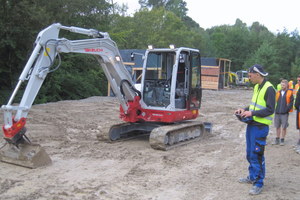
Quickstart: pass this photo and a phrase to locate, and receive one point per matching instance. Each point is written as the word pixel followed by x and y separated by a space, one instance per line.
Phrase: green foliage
pixel 131 32
pixel 79 76
pixel 258 35
pixel 296 67
pixel 178 7
pixel 16 37
pixel 153 3
pixel 231 42
pixel 285 52
pixel 265 55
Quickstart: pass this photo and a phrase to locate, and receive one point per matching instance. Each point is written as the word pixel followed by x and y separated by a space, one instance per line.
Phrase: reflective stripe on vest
pixel 289 93
pixel 259 103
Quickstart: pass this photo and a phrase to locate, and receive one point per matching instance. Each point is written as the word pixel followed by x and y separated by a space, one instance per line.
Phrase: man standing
pixel 291 84
pixel 297 106
pixel 285 102
pixel 296 88
pixel 261 110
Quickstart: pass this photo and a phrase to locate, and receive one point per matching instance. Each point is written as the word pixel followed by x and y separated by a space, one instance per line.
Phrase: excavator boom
pixel 48 46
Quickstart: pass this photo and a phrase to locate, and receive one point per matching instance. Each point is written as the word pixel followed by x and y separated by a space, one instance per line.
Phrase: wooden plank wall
pixel 210 77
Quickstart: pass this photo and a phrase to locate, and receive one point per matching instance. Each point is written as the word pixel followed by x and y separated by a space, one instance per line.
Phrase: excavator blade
pixel 26 155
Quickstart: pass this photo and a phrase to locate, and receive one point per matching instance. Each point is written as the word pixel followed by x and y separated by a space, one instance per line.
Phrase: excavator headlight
pixel 150 47
pixel 172 46
pixel 118 58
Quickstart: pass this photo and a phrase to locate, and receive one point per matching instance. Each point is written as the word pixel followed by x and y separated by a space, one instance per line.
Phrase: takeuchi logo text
pixel 93 50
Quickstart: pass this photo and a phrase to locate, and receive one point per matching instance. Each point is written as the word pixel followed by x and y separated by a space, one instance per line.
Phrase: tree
pixel 258 35
pixel 178 7
pixel 285 49
pixel 18 35
pixel 231 42
pixel 265 55
pixel 153 3
pixel 296 67
pixel 119 9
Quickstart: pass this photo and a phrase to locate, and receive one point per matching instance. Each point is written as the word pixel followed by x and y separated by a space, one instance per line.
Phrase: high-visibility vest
pixel 258 103
pixel 278 86
pixel 296 89
pixel 291 85
pixel 289 93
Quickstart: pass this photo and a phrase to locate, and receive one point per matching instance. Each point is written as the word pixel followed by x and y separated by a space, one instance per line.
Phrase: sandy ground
pixel 84 168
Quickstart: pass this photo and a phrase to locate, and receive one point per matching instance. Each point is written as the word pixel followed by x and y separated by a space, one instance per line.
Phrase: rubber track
pixel 185 132
pixel 105 131
pixel 164 137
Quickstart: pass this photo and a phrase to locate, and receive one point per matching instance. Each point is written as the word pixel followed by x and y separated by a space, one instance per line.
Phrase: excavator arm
pixel 48 47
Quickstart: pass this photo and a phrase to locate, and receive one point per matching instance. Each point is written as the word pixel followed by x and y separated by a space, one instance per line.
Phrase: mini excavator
pixel 165 106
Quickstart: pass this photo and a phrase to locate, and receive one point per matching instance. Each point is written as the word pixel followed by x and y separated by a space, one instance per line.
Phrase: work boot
pixel 245 180
pixel 255 190
pixel 282 142
pixel 276 141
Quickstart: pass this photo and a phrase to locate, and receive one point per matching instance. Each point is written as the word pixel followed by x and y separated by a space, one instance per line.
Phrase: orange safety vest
pixel 291 85
pixel 296 89
pixel 289 93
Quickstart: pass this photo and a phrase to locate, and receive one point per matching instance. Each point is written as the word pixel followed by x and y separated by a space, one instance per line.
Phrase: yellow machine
pixel 242 78
pixel 232 77
pixel 239 78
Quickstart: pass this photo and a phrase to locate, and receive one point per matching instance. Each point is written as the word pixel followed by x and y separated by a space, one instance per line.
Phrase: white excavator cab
pixel 171 79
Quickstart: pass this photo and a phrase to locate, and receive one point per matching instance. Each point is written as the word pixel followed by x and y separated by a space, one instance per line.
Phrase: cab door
pixel 195 95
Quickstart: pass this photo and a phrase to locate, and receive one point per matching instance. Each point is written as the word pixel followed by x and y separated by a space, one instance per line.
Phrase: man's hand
pixel 239 111
pixel 246 114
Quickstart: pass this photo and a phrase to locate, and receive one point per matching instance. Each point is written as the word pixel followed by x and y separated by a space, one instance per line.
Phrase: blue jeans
pixel 256 141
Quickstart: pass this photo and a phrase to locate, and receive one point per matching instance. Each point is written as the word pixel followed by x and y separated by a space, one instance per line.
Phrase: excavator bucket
pixel 26 155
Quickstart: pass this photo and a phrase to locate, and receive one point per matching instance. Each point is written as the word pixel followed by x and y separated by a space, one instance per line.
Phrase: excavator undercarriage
pixel 161 136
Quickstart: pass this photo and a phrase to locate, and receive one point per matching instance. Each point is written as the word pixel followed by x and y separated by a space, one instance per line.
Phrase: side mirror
pixel 132 57
pixel 181 58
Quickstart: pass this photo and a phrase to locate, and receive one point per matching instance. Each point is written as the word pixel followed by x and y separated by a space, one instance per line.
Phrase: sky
pixel 275 15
